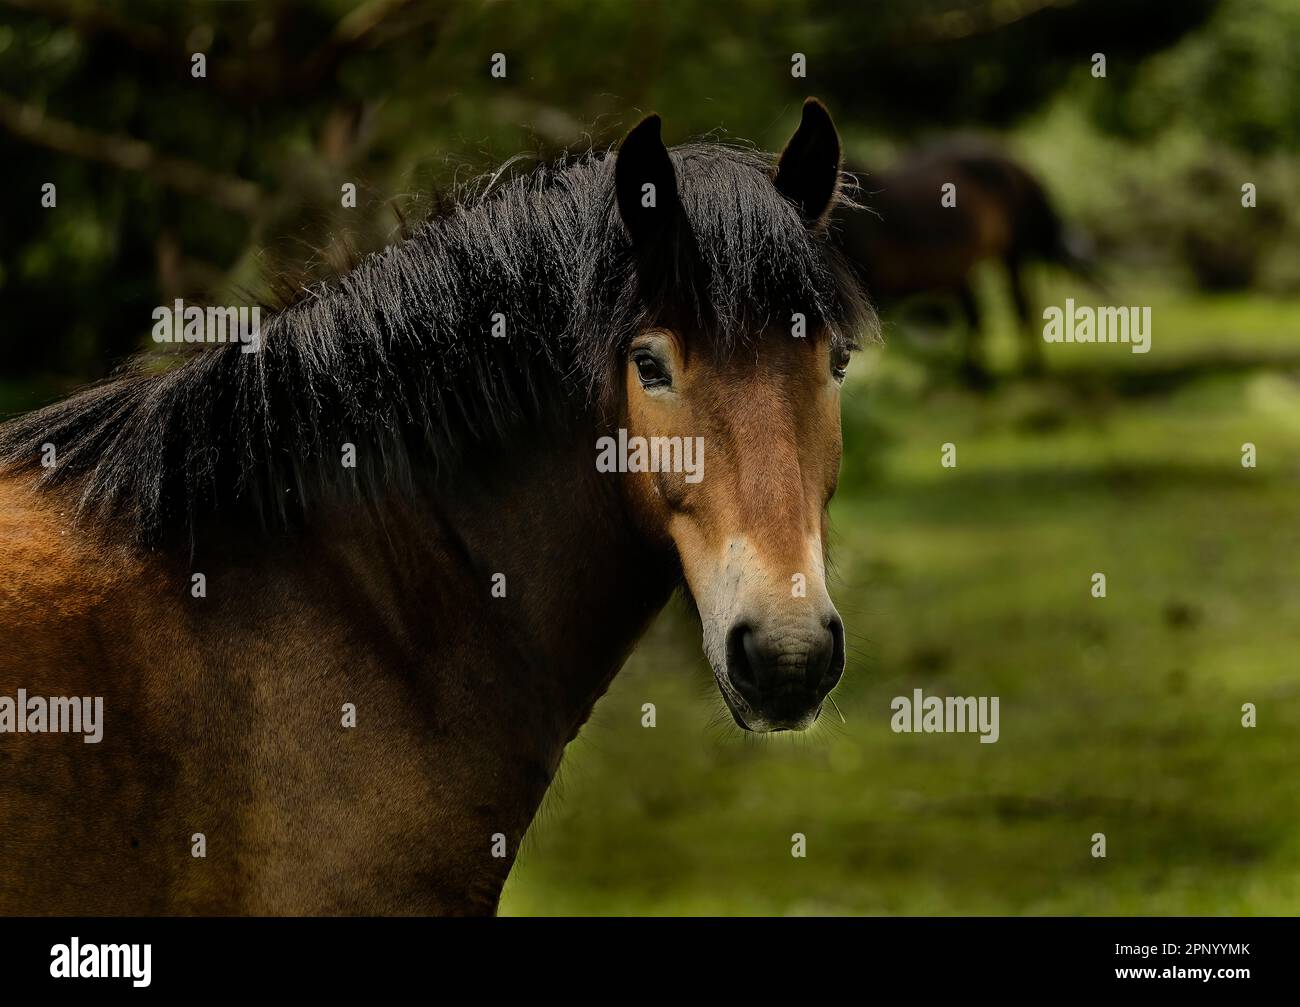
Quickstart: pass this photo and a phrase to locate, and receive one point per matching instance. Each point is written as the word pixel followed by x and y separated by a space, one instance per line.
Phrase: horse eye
pixel 840 365
pixel 649 371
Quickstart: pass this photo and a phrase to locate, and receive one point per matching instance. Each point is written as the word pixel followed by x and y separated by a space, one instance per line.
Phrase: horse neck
pixel 524 576
pixel 580 583
pixel 471 697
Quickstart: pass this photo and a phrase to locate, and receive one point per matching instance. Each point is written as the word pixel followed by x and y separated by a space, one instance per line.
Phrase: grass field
pixel 1119 715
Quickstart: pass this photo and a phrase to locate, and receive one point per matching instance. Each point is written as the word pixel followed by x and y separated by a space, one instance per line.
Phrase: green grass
pixel 1118 715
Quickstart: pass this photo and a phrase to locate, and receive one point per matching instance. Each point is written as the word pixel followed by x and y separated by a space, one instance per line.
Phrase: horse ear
pixel 809 168
pixel 645 182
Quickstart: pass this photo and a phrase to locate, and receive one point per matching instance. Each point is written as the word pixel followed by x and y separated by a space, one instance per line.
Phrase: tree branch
pixel 30 123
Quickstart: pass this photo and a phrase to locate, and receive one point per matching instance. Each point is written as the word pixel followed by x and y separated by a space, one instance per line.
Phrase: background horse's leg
pixel 1031 361
pixel 972 369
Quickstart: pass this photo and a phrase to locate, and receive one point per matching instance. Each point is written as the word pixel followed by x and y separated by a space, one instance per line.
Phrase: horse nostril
pixel 786 680
pixel 743 659
pixel 827 665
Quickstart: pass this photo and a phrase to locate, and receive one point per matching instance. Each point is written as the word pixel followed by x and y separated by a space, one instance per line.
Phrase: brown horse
pixel 923 239
pixel 344 688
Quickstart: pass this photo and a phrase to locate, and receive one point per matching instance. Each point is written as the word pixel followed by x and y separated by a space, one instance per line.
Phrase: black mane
pixel 398 358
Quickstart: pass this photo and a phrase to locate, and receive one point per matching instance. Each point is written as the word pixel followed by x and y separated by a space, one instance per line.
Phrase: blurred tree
pixel 956 62
pixel 171 185
pixel 1236 82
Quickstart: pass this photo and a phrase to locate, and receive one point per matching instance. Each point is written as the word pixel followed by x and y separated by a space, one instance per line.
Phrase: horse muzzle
pixel 776 676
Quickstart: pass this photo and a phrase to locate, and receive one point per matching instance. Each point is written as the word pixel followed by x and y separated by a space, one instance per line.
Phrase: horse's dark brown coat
pixel 223 713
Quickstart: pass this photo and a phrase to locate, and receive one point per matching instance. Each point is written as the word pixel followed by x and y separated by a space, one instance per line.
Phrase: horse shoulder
pixel 62 587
